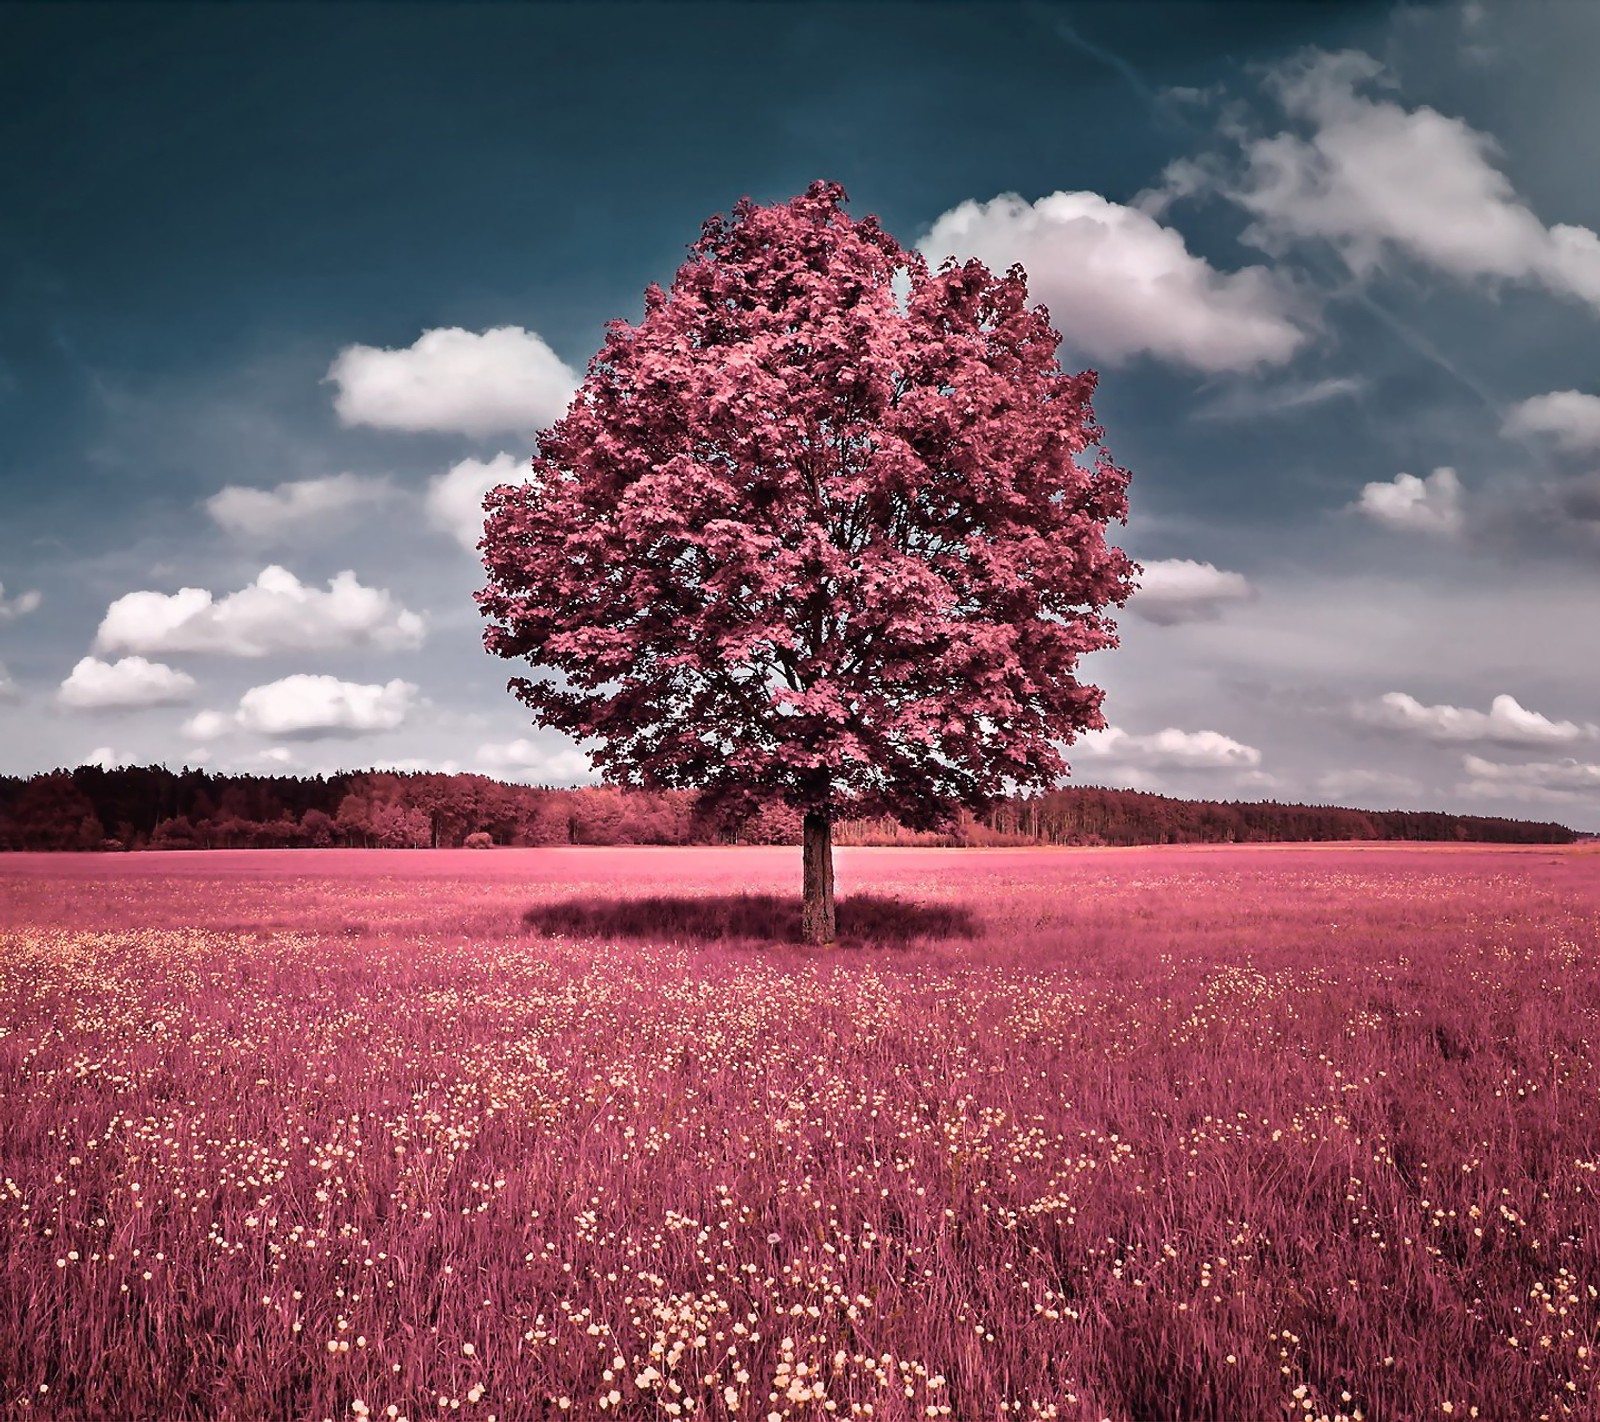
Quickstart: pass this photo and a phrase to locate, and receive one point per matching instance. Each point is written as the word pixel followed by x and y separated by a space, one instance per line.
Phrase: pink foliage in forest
pixel 1199 1133
pixel 794 543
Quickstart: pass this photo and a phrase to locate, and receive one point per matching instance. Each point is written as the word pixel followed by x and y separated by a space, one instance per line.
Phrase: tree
pixel 51 812
pixel 794 540
pixel 317 828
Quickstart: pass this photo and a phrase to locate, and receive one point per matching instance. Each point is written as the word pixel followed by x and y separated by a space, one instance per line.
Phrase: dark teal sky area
pixel 201 206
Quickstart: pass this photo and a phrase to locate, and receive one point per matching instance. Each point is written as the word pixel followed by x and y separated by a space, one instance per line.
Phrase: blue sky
pixel 283 287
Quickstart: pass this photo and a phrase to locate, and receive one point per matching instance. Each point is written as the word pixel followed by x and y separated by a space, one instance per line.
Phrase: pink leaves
pixel 788 536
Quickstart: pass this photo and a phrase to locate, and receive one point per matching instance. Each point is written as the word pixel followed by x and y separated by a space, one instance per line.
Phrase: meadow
pixel 1201 1133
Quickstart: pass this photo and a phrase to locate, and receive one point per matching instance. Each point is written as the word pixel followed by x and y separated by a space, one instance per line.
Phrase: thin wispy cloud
pixel 21 605
pixel 293 509
pixel 1246 402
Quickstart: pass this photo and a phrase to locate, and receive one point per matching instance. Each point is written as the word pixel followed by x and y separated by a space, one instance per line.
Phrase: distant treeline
pixel 150 807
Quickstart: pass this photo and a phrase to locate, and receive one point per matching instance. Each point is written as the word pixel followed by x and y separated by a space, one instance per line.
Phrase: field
pixel 1209 1133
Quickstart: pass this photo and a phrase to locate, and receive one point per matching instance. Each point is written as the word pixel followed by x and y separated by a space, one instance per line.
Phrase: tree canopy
pixel 803 537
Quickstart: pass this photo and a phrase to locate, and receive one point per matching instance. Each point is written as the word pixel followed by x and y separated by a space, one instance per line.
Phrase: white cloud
pixel 107 758
pixel 1356 784
pixel 1550 780
pixel 303 707
pixel 8 688
pixel 1119 775
pixel 455 381
pixel 309 707
pixel 455 498
pixel 1172 749
pixel 1119 284
pixel 288 508
pixel 1572 417
pixel 19 606
pixel 411 764
pixel 208 725
pixel 276 613
pixel 1373 177
pixel 1173 590
pixel 1431 505
pixel 1506 722
pixel 124 685
pixel 525 760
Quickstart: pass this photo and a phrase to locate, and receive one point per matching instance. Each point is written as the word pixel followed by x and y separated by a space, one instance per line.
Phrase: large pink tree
pixel 796 539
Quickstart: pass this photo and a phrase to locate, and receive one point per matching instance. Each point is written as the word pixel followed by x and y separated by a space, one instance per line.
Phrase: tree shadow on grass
pixel 864 920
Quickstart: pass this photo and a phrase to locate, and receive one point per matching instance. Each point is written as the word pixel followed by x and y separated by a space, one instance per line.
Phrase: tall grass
pixel 1138 1134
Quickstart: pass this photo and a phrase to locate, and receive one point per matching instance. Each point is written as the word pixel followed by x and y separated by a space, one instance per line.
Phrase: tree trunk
pixel 817 919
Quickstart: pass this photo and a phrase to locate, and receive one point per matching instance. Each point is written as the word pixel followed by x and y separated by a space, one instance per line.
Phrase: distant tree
pixel 354 818
pixel 317 828
pixel 795 541
pixel 772 823
pixel 175 833
pixel 478 840
pixel 396 825
pixel 279 833
pixel 51 812
pixel 62 810
pixel 596 813
pixel 543 818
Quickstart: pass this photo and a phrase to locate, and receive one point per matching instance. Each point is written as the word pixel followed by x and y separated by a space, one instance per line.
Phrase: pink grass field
pixel 1212 1133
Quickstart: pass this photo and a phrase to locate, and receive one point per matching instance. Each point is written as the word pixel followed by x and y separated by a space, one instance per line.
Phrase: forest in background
pixel 151 807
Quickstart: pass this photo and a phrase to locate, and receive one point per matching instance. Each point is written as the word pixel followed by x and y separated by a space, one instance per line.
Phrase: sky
pixel 284 288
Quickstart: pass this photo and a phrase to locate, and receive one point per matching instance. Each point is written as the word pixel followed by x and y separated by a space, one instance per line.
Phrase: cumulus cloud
pixel 8 688
pixel 303 707
pixel 1570 416
pixel 1546 780
pixel 125 685
pixel 292 507
pixel 19 606
pixel 1173 590
pixel 526 760
pixel 107 758
pixel 276 613
pixel 1372 177
pixel 1506 722
pixel 1172 749
pixel 1431 505
pixel 208 725
pixel 455 381
pixel 314 706
pixel 455 498
pixel 1121 284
